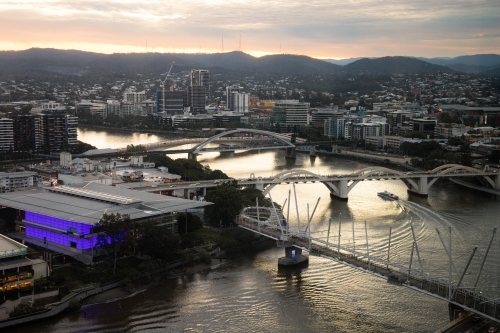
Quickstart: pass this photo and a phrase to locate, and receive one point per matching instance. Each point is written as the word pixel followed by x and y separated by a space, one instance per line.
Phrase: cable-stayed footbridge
pixel 439 275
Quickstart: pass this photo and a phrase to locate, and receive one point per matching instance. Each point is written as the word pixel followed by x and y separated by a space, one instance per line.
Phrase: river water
pixel 250 294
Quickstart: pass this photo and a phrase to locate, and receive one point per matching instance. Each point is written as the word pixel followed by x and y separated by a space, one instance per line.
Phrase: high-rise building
pixel 199 90
pixel 240 102
pixel 58 131
pixel 6 134
pixel 197 99
pixel 201 77
pixel 175 101
pixel 26 132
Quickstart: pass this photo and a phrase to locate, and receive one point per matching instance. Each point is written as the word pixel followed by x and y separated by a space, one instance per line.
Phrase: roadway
pixel 470 324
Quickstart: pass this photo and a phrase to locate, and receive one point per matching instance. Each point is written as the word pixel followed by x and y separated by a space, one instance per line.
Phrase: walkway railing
pixel 415 279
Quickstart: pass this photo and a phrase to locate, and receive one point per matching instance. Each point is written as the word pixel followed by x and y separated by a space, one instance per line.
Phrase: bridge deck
pixel 464 298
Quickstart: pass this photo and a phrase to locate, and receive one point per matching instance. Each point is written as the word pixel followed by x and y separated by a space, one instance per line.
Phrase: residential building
pixel 16 180
pixel 6 134
pixel 239 102
pixel 58 130
pixel 134 97
pixel 26 132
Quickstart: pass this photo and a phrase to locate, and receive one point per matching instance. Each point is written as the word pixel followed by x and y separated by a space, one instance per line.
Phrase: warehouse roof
pixel 88 203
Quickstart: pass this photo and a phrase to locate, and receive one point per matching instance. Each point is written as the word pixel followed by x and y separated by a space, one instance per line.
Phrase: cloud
pixel 315 27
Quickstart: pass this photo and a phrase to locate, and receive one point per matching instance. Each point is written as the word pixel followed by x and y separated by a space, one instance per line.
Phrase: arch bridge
pixel 257 141
pixel 417 182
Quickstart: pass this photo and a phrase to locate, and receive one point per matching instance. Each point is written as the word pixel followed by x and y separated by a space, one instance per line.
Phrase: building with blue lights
pixel 62 218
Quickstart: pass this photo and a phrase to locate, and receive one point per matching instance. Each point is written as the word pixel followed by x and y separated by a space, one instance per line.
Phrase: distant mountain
pixel 343 62
pixel 492 71
pixel 394 65
pixel 476 64
pixel 69 62
pixel 470 60
pixel 46 63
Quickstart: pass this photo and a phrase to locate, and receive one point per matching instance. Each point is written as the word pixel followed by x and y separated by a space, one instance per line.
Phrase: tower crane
pixel 162 84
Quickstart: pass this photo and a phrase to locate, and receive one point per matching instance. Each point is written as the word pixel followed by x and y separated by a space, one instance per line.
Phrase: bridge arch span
pixel 201 145
pixel 453 168
pixel 297 174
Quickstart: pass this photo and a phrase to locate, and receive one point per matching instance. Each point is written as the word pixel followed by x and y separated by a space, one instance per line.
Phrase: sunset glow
pixel 318 28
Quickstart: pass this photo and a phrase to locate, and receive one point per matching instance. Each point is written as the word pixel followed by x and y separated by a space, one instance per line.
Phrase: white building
pixel 240 102
pixel 134 97
pixel 12 180
pixel 6 134
pixel 290 112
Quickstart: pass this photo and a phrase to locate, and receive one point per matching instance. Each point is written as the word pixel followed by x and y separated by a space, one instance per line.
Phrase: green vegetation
pixel 188 169
pixel 24 309
pixel 114 236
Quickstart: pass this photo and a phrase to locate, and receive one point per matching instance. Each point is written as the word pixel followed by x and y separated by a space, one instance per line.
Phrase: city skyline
pixel 320 29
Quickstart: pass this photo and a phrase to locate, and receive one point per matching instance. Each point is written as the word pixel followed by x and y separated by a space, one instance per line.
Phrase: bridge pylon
pixel 293 256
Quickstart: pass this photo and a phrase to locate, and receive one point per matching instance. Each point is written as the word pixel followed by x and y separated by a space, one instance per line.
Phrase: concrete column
pixel 186 193
pixel 290 153
pixel 191 156
pixel 312 150
pixel 343 190
pixel 497 182
pixel 204 191
pixel 422 186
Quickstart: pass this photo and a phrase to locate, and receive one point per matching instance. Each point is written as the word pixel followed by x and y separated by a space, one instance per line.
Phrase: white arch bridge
pixel 417 182
pixel 253 140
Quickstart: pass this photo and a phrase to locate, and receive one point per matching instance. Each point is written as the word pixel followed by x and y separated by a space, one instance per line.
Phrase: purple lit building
pixel 62 218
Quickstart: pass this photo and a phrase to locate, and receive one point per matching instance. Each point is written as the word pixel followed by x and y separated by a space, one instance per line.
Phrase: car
pixel 476 318
pixel 492 329
pixel 192 184
pixel 154 185
pixel 173 185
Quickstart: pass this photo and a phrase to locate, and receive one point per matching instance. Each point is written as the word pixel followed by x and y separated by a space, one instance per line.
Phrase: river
pixel 250 294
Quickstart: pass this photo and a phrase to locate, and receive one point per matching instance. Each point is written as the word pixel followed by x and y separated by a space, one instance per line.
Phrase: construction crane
pixel 162 84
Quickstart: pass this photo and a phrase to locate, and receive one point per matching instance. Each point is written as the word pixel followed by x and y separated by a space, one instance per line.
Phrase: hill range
pixel 49 62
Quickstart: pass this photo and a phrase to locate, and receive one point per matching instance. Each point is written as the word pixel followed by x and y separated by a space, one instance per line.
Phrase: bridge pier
pixel 312 150
pixel 342 188
pixel 422 187
pixel 455 311
pixel 293 256
pixel 290 154
pixel 191 156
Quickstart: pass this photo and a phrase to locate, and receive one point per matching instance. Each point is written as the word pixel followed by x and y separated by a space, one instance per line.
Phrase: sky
pixel 335 29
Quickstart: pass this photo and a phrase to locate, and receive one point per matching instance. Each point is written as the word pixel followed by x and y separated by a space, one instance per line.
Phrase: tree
pixel 227 203
pixel 465 156
pixel 115 235
pixel 159 242
pixel 193 223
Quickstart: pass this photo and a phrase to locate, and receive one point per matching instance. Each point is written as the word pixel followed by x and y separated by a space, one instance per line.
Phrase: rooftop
pixel 11 248
pixel 87 204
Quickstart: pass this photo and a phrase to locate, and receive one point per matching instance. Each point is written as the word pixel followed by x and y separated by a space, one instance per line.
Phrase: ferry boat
pixel 387 195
